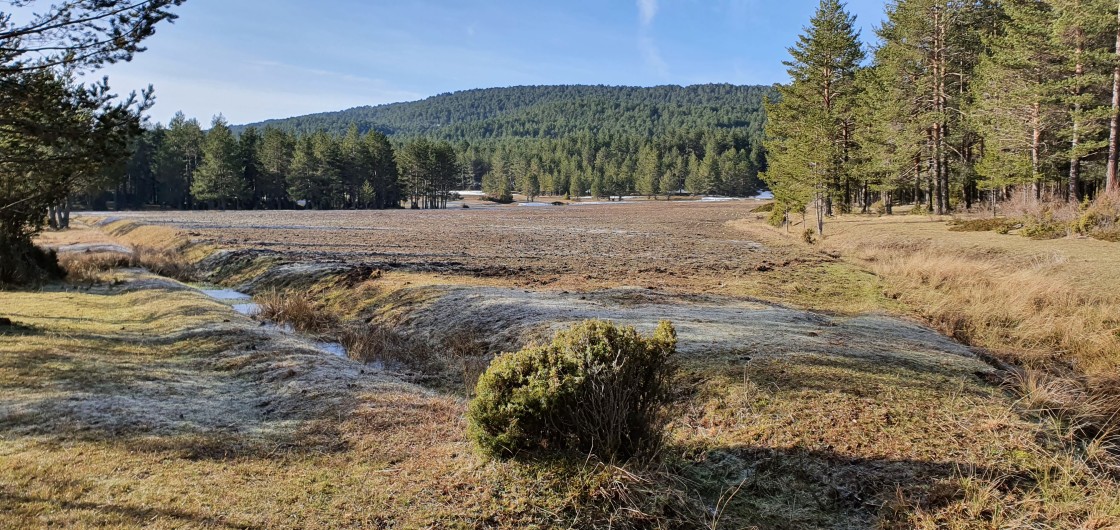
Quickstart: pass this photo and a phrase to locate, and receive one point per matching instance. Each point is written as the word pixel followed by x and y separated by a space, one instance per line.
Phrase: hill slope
pixel 552 112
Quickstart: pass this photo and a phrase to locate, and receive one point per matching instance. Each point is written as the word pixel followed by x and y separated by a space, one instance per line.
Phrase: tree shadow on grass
pixel 798 488
pixel 22 505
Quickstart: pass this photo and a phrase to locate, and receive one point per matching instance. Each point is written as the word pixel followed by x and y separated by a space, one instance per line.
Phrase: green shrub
pixel 1101 219
pixel 1044 226
pixel 809 236
pixel 1001 225
pixel 765 208
pixel 596 389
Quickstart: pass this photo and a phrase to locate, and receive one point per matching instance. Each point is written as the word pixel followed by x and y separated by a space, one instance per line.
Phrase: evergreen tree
pixel 220 176
pixel 808 134
pixel 301 178
pixel 178 158
pixel 1082 33
pixel 275 154
pixel 648 174
pixel 249 148
pixel 1013 109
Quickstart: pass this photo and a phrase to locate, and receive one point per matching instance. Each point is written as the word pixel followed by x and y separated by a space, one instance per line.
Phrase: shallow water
pixel 225 294
pixel 332 348
pixel 252 309
pixel 249 310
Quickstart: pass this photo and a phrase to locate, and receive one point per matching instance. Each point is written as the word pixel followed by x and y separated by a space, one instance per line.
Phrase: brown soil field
pixel 686 246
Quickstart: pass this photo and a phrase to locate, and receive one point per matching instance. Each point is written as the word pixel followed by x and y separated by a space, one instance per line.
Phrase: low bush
pixel 1001 225
pixel 809 236
pixel 1101 219
pixel 23 263
pixel 1045 226
pixel 504 199
pixel 596 389
pixel 765 208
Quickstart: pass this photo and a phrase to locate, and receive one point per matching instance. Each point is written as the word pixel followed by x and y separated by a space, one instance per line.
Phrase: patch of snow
pixel 533 204
pixel 766 196
pixel 471 193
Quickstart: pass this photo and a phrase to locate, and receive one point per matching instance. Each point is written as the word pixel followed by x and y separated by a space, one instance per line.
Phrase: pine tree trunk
pixel 1111 183
pixel 64 217
pixel 1036 150
pixel 1075 158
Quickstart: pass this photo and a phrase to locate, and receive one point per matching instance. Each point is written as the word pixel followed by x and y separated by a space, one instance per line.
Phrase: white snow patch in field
pixel 471 193
pixel 533 204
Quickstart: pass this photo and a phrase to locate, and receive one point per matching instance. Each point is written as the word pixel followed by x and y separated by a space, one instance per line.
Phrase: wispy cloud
pixel 652 56
pixel 647 10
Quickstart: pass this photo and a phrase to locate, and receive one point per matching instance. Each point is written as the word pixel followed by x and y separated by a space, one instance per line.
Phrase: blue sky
pixel 259 59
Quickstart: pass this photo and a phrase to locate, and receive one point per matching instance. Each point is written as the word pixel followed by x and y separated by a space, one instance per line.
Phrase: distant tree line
pixel 180 165
pixel 961 101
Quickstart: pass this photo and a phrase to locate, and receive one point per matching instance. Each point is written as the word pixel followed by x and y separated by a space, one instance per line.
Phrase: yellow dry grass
pixel 1038 303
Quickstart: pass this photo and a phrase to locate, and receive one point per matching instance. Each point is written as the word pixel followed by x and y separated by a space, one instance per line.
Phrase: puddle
pixel 252 309
pixel 94 247
pixel 226 294
pixel 332 348
pixel 249 310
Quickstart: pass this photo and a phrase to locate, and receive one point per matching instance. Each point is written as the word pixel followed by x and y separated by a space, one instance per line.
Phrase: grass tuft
pixel 295 308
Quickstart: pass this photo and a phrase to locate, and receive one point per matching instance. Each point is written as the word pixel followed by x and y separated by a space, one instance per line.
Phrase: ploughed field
pixel 685 246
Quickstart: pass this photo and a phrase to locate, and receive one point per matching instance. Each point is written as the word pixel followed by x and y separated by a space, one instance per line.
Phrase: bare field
pixel 680 245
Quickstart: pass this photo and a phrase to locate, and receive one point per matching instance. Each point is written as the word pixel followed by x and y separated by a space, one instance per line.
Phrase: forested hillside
pixel 551 112
pixel 563 140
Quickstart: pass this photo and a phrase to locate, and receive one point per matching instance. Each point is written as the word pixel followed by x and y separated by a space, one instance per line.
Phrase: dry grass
pixel 380 343
pixel 129 408
pixel 297 309
pixel 92 267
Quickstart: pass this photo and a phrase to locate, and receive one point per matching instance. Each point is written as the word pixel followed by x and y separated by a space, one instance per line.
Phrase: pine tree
pixel 220 176
pixel 275 154
pixel 249 147
pixel 1012 108
pixel 178 157
pixel 301 178
pixel 807 135
pixel 648 173
pixel 1083 34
